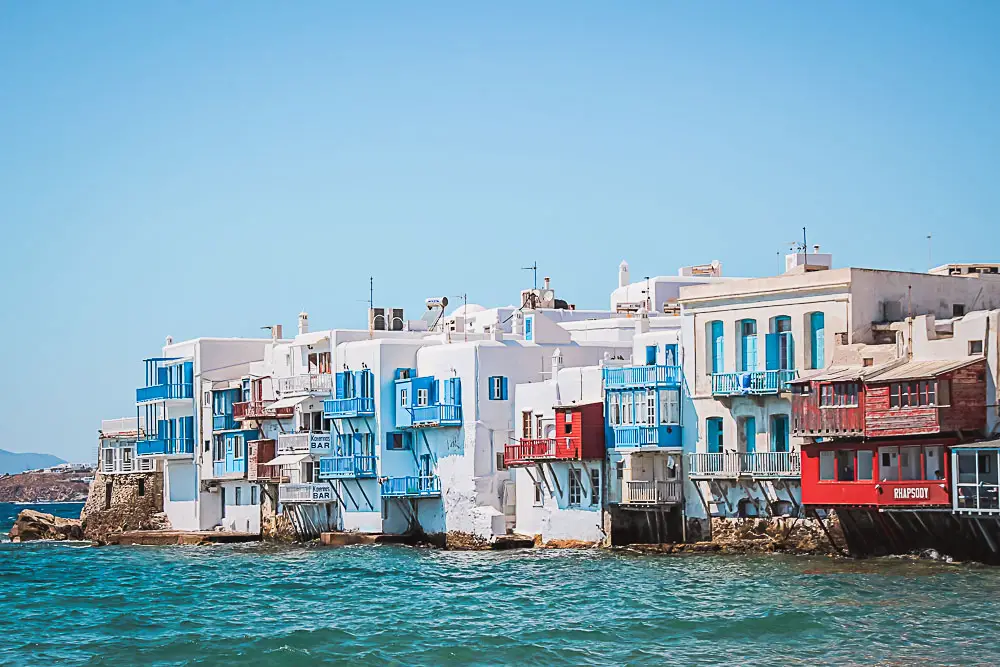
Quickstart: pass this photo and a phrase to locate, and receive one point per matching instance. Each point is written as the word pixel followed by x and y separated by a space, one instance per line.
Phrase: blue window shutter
pixel 456 391
pixel 789 360
pixel 188 372
pixel 750 434
pixel 650 355
pixel 714 429
pixel 771 343
pixel 817 339
pixel 718 347
pixel 504 388
pixel 340 385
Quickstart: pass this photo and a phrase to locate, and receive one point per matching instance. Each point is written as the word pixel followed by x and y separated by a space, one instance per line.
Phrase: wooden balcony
pixel 651 492
pixel 260 410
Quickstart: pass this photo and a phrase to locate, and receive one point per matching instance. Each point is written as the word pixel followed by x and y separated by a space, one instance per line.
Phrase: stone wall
pixel 128 509
pixel 780 534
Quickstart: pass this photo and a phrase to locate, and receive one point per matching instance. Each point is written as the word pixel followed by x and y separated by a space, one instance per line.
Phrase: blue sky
pixel 207 168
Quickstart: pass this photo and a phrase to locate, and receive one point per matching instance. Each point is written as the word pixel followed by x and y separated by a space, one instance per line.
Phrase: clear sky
pixel 205 168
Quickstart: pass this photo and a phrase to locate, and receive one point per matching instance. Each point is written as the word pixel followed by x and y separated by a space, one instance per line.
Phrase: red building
pixel 579 435
pixel 881 434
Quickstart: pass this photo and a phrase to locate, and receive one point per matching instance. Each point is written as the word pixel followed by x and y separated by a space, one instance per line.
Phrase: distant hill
pixel 13 462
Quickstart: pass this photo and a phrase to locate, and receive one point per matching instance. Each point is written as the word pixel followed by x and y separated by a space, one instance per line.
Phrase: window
pixel 254 497
pixel 670 406
pixel 208 445
pixel 865 465
pixel 568 425
pixel 914 394
pixel 975 347
pixel 421 397
pixel 575 486
pixel 839 395
pixel 238 447
pixel 615 416
pixel 827 466
pixel 748 345
pixel 498 388
pixel 779 433
pixel 142 486
pixel 716 347
pixel 207 399
pixel 538 427
pixel 650 355
pixel 817 340
pixel 595 487
pixel 404 397
pixel 713 429
pixel 957 309
pixel 500 462
pixel 397 441
pixel 845 465
pixel 239 495
pixel 651 406
pixel 529 323
pixel 620 470
pixel 538 494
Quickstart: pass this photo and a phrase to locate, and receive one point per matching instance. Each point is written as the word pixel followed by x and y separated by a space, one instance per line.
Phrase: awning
pixel 287 460
pixel 922 370
pixel 310 338
pixel 288 402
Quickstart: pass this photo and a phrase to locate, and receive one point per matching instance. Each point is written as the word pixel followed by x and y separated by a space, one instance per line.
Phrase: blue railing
pixel 638 435
pixel 233 468
pixel 224 423
pixel 411 487
pixel 437 415
pixel 164 446
pixel 751 382
pixel 162 392
pixel 642 376
pixel 359 406
pixel 333 467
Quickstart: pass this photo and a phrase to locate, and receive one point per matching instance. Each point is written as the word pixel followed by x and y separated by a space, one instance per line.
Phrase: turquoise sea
pixel 266 605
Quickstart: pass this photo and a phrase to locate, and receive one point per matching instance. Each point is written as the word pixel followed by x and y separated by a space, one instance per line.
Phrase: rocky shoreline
pixel 44 487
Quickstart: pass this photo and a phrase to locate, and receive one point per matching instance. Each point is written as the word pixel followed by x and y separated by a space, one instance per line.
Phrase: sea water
pixel 296 605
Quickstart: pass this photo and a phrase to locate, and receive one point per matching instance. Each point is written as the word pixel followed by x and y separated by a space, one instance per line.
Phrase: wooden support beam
pixel 555 480
pixel 346 490
pixel 826 531
pixel 989 540
pixel 365 495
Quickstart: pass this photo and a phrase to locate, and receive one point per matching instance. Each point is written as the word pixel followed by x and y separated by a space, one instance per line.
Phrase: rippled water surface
pixel 256 604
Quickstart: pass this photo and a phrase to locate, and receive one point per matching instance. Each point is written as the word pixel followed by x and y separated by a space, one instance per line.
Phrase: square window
pixel 975 347
pixel 957 309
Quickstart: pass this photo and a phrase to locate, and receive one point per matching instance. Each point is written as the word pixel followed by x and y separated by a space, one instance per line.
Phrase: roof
pixel 310 338
pixel 567 406
pixel 893 371
pixel 918 370
pixel 288 402
pixel 287 460
pixel 985 444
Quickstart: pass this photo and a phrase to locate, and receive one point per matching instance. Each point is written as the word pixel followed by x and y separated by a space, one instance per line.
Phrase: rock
pixel 567 544
pixel 32 525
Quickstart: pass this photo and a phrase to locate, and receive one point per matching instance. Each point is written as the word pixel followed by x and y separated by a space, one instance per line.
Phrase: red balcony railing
pixel 260 410
pixel 528 450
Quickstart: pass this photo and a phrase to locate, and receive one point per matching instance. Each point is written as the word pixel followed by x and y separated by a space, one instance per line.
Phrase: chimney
pixel 816 248
pixel 546 281
pixel 623 274
pixel 642 321
pixel 556 365
pixel 170 340
pixel 303 322
pixel 276 332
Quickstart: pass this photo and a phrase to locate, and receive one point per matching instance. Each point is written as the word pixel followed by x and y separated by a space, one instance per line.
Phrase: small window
pixel 397 441
pixel 498 388
pixel 500 462
pixel 207 399
pixel 620 470
pixel 868 362
pixel 421 397
pixel 208 445
pixel 142 486
pixel 575 486
pixel 538 494
pixel 254 495
pixel 975 347
pixel 827 466
pixel 865 465
pixel 404 397
pixel 595 487
pixel 568 425
pixel 957 309
pixel 239 495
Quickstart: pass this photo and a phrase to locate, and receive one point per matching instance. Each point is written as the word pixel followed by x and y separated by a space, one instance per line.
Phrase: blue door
pixel 779 433
pixel 750 434
pixel 718 347
pixel 748 344
pixel 670 355
pixel 817 339
pixel 714 428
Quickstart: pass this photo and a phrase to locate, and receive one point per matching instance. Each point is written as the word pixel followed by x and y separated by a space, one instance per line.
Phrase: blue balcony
pixel 165 447
pixel 359 406
pixel 224 423
pixel 340 467
pixel 232 468
pixel 436 415
pixel 639 435
pixel 751 383
pixel 412 487
pixel 642 376
pixel 164 392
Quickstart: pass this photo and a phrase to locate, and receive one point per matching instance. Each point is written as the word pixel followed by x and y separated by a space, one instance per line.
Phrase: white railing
pixel 737 464
pixel 307 492
pixel 121 425
pixel 119 465
pixel 652 491
pixel 303 443
pixel 300 384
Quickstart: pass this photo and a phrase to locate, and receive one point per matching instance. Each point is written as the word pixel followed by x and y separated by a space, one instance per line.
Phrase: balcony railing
pixel 306 384
pixel 224 423
pixel 164 392
pixel 638 435
pixel 527 450
pixel 437 415
pixel 165 447
pixel 260 410
pixel 753 383
pixel 359 406
pixel 651 492
pixel 235 469
pixel 304 443
pixel 120 465
pixel 122 426
pixel 739 464
pixel 306 492
pixel 411 487
pixel 642 376
pixel 338 467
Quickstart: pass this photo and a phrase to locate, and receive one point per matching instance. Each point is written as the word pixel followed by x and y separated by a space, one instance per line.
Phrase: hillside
pixel 14 462
pixel 44 487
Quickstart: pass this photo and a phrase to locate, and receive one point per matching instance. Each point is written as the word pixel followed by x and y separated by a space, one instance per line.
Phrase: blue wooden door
pixel 714 428
pixel 817 339
pixel 750 434
pixel 748 344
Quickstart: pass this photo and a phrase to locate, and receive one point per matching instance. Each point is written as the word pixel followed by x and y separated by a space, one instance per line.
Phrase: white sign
pixel 910 493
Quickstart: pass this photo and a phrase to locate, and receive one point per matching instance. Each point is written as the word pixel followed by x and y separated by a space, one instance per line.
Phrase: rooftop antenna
pixel 371 291
pixel 805 244
pixel 930 262
pixel 534 269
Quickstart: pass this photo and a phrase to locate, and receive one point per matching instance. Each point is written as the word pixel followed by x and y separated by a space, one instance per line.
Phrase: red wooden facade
pixel 886 432
pixel 889 473
pixel 579 435
pixel 260 452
